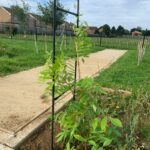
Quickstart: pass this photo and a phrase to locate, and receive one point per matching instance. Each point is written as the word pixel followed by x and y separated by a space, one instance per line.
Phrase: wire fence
pixel 123 42
pixel 44 33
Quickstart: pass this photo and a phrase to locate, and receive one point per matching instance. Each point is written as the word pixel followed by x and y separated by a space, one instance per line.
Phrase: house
pixel 7 20
pixel 35 24
pixel 65 28
pixel 136 33
pixel 91 31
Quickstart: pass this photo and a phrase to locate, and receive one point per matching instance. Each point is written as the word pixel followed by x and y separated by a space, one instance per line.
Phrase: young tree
pixel 46 11
pixel 120 30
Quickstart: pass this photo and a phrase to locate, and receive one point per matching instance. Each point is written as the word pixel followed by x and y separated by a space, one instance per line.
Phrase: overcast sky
pixel 129 13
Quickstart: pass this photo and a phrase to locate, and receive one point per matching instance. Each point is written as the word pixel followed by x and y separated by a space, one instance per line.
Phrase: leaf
pixel 94 108
pixel 80 138
pixel 95 123
pixel 68 146
pixel 104 124
pixel 60 137
pixel 116 122
pixel 91 142
pixel 107 142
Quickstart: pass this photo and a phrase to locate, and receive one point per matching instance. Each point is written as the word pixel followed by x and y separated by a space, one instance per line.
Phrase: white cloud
pixel 129 13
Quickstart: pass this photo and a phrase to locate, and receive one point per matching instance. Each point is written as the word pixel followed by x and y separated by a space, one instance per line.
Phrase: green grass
pixel 121 42
pixel 19 54
pixel 125 74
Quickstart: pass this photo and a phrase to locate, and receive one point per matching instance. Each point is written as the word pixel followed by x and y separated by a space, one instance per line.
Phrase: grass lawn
pixel 20 54
pixel 125 74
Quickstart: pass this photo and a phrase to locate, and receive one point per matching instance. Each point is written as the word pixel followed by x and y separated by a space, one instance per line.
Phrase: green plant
pixel 137 112
pixel 63 70
pixel 85 124
pixel 101 128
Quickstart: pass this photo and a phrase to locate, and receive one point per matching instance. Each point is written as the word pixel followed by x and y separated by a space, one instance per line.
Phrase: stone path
pixel 20 94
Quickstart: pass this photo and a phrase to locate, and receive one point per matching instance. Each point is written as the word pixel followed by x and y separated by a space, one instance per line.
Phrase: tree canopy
pixel 21 12
pixel 120 30
pixel 113 31
pixel 46 11
pixel 106 29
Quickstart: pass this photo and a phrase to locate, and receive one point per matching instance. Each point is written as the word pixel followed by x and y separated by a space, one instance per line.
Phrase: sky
pixel 129 13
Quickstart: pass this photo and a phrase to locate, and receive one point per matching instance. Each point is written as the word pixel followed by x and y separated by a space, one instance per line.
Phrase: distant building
pixel 34 23
pixel 65 28
pixel 136 33
pixel 91 31
pixel 7 20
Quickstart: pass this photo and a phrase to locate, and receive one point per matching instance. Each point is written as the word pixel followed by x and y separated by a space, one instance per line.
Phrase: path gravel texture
pixel 20 94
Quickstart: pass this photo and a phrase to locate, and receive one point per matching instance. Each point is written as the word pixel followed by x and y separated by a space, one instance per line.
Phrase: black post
pixel 55 9
pixel 100 38
pixel 35 30
pixel 75 78
pixel 53 88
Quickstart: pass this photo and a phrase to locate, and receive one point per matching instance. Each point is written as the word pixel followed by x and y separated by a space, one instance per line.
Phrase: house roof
pixel 92 28
pixel 7 9
pixel 137 32
pixel 35 16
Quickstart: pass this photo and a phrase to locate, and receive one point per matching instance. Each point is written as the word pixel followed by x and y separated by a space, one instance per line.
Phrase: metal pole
pixel 75 78
pixel 35 30
pixel 53 88
pixel 100 39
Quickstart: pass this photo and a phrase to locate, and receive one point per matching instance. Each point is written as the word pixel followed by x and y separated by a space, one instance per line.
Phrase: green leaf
pixel 104 124
pixel 68 146
pixel 80 138
pixel 116 122
pixel 60 137
pixel 107 142
pixel 95 123
pixel 91 142
pixel 94 108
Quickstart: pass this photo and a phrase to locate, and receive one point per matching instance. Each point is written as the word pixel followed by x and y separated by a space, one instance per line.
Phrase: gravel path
pixel 20 94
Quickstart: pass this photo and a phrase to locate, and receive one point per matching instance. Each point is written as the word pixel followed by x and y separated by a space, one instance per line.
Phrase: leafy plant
pixel 85 123
pixel 63 69
pixel 63 75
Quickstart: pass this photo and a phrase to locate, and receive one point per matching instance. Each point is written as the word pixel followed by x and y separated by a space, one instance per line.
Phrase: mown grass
pixel 20 54
pixel 125 74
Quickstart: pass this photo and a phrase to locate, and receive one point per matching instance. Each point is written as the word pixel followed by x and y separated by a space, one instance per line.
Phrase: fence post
pixel 100 38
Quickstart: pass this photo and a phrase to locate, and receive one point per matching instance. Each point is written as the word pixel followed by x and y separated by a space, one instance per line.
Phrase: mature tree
pixel 105 29
pixel 126 32
pixel 120 30
pixel 46 11
pixel 136 29
pixel 113 31
pixel 139 28
pixel 21 13
pixel 146 32
pixel 18 12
